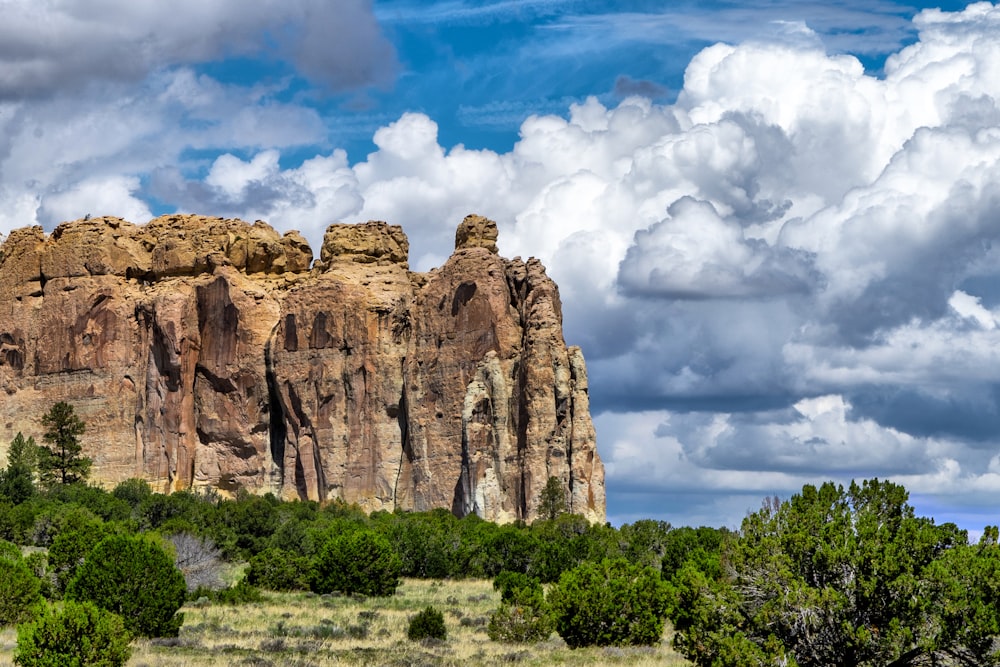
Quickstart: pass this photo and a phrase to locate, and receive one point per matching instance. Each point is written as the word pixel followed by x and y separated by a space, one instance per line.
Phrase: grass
pixel 303 629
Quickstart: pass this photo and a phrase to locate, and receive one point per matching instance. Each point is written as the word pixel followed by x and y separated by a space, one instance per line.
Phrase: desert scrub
pixel 428 623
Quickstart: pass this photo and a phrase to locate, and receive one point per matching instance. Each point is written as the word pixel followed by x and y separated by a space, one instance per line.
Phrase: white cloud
pixel 786 273
pixel 50 47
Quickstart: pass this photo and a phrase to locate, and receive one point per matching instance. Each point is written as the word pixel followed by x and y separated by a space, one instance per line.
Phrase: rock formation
pixel 204 352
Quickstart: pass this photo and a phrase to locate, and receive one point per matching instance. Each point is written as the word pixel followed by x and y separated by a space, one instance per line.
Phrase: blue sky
pixel 772 224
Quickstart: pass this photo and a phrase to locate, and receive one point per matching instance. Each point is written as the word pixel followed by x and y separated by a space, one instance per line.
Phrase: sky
pixel 773 224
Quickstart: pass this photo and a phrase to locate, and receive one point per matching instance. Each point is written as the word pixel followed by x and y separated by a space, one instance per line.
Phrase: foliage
pixel 682 544
pixel 132 491
pixel 840 577
pixel 523 615
pixel 60 461
pixel 611 603
pixel 20 590
pixel 552 500
pixel 17 482
pixel 80 635
pixel 134 578
pixel 427 623
pixel 242 593
pixel 278 570
pixel 360 561
pixel 68 550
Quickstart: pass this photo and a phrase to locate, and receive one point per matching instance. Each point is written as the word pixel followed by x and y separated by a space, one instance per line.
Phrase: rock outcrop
pixel 204 352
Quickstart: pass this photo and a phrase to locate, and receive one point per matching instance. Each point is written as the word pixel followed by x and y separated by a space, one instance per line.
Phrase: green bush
pixel 509 584
pixel 20 591
pixel 357 562
pixel 611 603
pixel 428 623
pixel 241 593
pixel 278 570
pixel 135 579
pixel 80 635
pixel 523 615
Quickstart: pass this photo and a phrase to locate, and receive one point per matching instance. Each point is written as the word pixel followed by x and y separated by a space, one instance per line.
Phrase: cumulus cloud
pixel 50 47
pixel 789 273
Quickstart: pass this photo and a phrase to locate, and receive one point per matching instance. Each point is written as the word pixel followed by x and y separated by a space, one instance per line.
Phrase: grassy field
pixel 302 629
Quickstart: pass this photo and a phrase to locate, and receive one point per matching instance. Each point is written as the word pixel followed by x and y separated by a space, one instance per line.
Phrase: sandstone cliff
pixel 204 352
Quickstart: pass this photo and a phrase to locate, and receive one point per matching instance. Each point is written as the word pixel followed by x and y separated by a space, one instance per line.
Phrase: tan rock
pixel 203 352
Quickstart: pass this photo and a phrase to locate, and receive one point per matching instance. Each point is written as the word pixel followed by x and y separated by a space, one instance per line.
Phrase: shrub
pixel 357 562
pixel 135 579
pixel 278 570
pixel 611 603
pixel 20 591
pixel 81 634
pixel 241 593
pixel 428 623
pixel 523 616
pixel 68 550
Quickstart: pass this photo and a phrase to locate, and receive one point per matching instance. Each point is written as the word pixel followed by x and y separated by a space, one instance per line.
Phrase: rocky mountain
pixel 205 352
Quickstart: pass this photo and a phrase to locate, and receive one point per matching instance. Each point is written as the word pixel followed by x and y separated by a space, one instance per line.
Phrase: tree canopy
pixel 841 577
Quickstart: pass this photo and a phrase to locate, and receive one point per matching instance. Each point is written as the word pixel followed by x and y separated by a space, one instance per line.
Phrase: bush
pixel 357 562
pixel 20 591
pixel 81 634
pixel 278 570
pixel 428 623
pixel 135 579
pixel 241 593
pixel 523 616
pixel 611 603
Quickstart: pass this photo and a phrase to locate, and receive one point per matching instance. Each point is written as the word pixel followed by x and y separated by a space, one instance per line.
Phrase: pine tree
pixel 61 461
pixel 552 502
pixel 17 482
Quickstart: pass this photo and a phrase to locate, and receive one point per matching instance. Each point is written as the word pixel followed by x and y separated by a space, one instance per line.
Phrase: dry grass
pixel 302 629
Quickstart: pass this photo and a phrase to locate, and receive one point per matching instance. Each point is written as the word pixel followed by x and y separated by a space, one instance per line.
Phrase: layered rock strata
pixel 204 352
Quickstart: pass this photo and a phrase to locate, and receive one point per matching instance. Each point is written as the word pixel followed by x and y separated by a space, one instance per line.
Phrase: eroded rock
pixel 207 352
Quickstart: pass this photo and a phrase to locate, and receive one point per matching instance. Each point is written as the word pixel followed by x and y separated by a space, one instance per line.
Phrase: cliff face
pixel 204 352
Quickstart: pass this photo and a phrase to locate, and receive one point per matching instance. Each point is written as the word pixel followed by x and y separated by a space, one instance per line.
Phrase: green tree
pixel 60 461
pixel 552 501
pixel 80 635
pixel 840 577
pixel 359 561
pixel 20 591
pixel 17 482
pixel 136 579
pixel 611 603
pixel 278 570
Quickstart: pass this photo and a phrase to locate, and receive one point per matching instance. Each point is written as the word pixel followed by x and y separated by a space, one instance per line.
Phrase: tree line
pixel 832 575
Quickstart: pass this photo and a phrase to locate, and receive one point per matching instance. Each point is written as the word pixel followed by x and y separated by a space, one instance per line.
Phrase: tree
pixel 20 591
pixel 611 603
pixel 134 578
pixel 81 634
pixel 61 461
pixel 835 576
pixel 359 561
pixel 17 482
pixel 199 560
pixel 278 570
pixel 552 501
